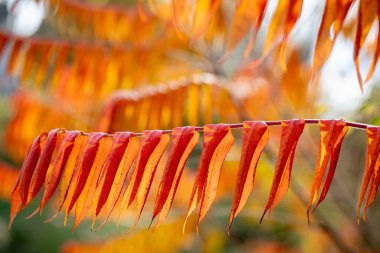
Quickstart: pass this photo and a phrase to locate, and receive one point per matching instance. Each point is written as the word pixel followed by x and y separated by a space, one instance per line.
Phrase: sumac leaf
pixel 255 137
pixel 291 132
pixel 183 142
pixel 217 141
pixel 332 133
pixel 370 183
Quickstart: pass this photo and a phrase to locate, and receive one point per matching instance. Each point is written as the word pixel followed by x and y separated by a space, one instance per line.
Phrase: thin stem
pixel 269 123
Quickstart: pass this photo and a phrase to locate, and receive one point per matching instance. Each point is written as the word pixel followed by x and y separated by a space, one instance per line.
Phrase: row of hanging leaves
pixel 248 16
pixel 93 168
pixel 200 99
pixel 196 100
pixel 60 65
pixel 114 24
pixel 197 21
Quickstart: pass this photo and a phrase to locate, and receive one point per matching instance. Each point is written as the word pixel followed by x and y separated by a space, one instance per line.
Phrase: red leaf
pixel 39 174
pixel 59 164
pixel 371 172
pixel 183 142
pixel 332 133
pixel 291 132
pixel 21 188
pixel 217 141
pixel 88 196
pixel 119 179
pixel 153 145
pixel 83 168
pixel 29 166
pixel 255 137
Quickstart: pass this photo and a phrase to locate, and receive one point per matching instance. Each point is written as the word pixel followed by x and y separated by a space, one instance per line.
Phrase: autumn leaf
pixel 248 14
pixel 371 178
pixel 152 147
pixel 291 132
pixel 21 189
pixel 282 23
pixel 333 17
pixel 366 14
pixel 184 140
pixel 217 141
pixel 332 133
pixel 255 137
pixel 63 155
pixel 123 153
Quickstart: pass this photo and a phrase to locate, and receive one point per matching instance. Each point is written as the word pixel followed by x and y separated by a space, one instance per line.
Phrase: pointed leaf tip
pixel 290 134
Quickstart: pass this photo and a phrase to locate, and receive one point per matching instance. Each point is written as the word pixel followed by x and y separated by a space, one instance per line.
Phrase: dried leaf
pixel 255 137
pixel 291 132
pixel 217 141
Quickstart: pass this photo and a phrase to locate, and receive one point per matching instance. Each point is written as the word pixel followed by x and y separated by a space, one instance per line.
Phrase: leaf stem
pixel 356 125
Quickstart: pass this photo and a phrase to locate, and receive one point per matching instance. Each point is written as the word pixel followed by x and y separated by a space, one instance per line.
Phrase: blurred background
pixel 114 65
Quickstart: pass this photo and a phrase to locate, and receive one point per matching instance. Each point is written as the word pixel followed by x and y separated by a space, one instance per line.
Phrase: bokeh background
pixel 106 65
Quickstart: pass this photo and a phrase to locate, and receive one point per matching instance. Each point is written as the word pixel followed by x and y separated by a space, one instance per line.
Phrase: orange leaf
pixel 21 188
pixel 255 137
pixel 332 133
pixel 87 197
pixel 63 155
pixel 291 132
pixel 371 172
pixel 377 50
pixel 184 140
pixel 217 141
pixel 45 159
pixel 205 10
pixel 153 145
pixel 366 15
pixel 116 188
pixel 82 169
pixel 247 14
pixel 333 17
pixel 282 23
